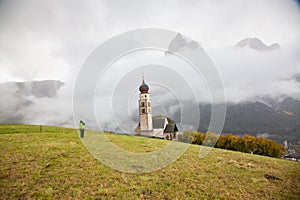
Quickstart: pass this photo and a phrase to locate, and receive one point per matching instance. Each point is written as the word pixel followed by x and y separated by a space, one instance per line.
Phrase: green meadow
pixel 53 163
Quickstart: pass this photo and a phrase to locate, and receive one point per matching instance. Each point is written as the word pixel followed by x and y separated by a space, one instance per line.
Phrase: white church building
pixel 153 126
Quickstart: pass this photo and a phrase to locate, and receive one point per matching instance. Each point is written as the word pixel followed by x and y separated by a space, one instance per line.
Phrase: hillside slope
pixel 52 162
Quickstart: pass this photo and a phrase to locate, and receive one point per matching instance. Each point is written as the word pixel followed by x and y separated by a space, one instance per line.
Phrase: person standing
pixel 81 128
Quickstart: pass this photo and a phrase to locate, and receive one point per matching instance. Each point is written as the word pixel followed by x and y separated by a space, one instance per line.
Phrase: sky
pixel 47 39
pixel 51 39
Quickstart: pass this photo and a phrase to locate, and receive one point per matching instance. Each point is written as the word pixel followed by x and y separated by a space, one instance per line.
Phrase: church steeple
pixel 145 111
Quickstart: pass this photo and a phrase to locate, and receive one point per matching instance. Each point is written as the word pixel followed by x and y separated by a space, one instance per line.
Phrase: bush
pixel 246 144
pixel 187 136
pixel 198 138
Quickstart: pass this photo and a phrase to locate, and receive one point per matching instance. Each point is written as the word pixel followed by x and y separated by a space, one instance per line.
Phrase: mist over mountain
pixel 253 45
pixel 276 120
pixel 296 78
pixel 38 89
pixel 21 96
pixel 261 94
pixel 262 87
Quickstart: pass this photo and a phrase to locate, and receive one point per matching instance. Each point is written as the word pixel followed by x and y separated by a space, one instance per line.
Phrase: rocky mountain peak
pixel 179 43
pixel 256 44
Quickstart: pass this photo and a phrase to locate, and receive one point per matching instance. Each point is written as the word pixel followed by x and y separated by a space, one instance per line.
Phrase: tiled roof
pixel 171 128
pixel 158 122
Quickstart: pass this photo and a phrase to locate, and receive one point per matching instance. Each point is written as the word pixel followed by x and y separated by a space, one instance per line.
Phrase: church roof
pixel 144 88
pixel 158 122
pixel 171 128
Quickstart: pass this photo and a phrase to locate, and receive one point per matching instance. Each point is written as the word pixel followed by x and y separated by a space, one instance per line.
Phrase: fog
pixel 247 73
pixel 42 40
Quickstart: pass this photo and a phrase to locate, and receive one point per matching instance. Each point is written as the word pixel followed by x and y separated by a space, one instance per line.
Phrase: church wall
pixel 158 132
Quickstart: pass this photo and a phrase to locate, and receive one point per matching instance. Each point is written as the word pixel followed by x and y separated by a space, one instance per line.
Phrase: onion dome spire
pixel 144 88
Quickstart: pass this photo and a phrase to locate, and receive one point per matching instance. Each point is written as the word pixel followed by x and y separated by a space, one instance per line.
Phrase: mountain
pixel 256 44
pixel 180 43
pixel 276 120
pixel 290 105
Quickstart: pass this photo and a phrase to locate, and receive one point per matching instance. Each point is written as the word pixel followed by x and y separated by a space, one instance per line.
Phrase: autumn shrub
pixel 246 144
pixel 187 136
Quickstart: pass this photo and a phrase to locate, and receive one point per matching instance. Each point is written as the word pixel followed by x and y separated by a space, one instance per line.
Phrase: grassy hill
pixel 53 163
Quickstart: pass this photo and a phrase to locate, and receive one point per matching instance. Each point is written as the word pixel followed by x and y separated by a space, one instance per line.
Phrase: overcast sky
pixel 47 39
pixel 51 39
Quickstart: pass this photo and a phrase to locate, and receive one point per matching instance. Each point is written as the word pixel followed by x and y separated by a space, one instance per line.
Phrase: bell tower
pixel 145 112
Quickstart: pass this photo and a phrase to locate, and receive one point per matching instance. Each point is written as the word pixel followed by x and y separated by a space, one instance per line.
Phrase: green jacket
pixel 81 126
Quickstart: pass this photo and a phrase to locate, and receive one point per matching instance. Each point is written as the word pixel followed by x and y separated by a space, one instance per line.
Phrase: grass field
pixel 54 164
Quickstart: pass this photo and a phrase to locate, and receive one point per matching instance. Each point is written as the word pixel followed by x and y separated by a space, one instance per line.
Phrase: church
pixel 153 126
